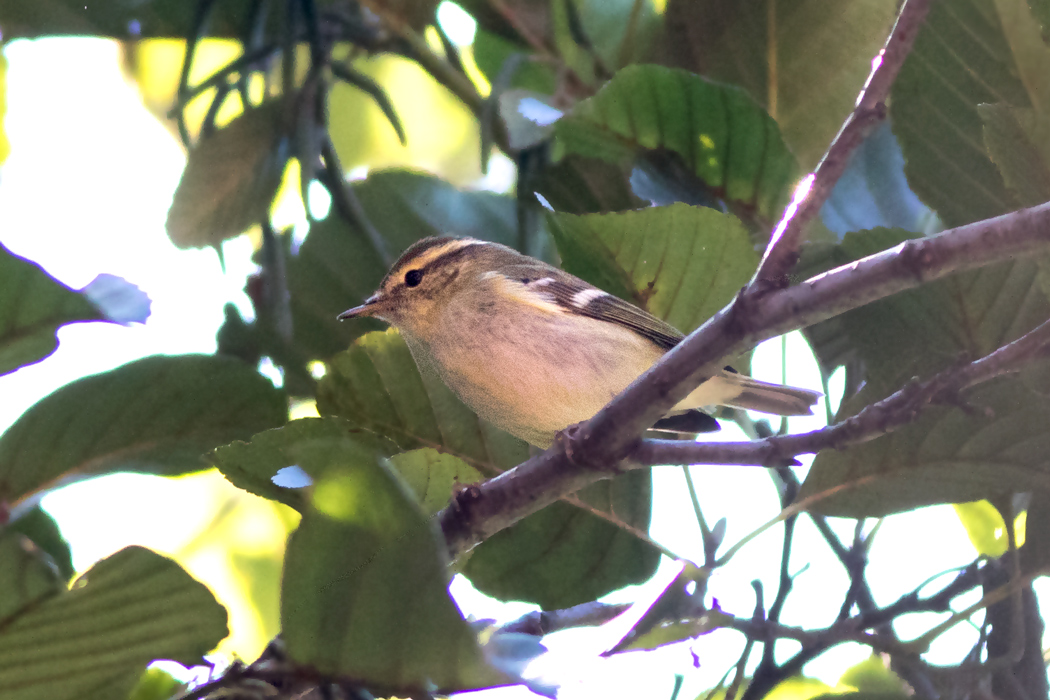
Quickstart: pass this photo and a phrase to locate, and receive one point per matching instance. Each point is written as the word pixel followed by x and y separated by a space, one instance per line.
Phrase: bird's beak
pixel 369 308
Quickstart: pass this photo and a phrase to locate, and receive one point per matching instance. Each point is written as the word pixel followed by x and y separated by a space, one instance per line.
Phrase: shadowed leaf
pixel 231 178
pixel 946 456
pixel 365 590
pixel 157 415
pixel 805 61
pixel 961 59
pixel 726 140
pixel 126 611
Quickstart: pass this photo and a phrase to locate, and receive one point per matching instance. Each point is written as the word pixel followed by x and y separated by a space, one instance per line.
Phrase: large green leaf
pixel 917 333
pixel 1008 135
pixel 365 591
pixel 94 640
pixel 680 263
pixel 551 557
pixel 803 60
pixel 231 178
pixel 947 455
pixel 961 59
pixel 32 307
pixel 926 329
pixel 156 415
pixel 723 137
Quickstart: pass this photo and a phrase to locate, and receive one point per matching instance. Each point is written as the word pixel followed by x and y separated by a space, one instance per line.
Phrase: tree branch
pixel 582 452
pixel 872 421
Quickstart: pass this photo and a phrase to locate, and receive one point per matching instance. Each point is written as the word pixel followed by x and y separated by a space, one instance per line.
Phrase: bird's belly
pixel 541 376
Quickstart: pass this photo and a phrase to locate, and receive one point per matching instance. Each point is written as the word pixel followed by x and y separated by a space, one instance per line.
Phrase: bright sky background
pixel 86 190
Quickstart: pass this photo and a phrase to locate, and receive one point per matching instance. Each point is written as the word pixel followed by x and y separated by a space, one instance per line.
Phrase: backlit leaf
pixel 157 415
pixel 126 611
pixel 231 178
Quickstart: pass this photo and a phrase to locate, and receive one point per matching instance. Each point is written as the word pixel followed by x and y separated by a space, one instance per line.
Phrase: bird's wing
pixel 576 296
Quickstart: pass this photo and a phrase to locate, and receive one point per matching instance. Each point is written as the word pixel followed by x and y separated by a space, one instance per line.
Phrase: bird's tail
pixel 732 389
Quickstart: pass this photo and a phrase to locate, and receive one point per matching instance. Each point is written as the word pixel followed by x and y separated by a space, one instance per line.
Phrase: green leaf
pixel 27 576
pixel 157 684
pixel 157 415
pixel 917 332
pixel 551 557
pixel 253 465
pixel 621 31
pixel 726 140
pixel 42 530
pixel 1030 54
pixel 231 178
pixel 365 591
pixel 491 53
pixel 984 526
pixel 1010 134
pixel 564 555
pixel 680 263
pixel 1035 553
pixel 961 59
pixel 805 61
pixel 95 639
pixel 946 456
pixel 33 305
pixel 579 185
pixel 433 476
pixel 873 676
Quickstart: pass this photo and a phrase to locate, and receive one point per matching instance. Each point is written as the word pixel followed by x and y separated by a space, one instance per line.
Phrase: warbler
pixel 533 349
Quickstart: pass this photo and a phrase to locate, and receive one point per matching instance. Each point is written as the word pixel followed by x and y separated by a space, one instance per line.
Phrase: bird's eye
pixel 413 278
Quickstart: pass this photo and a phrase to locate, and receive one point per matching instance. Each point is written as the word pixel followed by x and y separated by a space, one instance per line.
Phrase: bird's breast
pixel 540 373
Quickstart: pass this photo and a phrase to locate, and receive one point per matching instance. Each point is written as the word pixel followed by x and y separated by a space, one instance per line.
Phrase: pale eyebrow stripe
pixel 433 254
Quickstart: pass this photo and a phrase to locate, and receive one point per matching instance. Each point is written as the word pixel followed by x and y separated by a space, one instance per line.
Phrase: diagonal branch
pixel 611 435
pixel 870 110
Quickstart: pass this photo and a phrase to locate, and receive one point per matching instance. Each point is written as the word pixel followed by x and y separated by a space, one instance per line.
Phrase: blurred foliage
pixel 665 138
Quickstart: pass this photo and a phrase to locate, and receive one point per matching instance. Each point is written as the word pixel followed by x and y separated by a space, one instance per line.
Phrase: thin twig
pixel 541 622
pixel 782 251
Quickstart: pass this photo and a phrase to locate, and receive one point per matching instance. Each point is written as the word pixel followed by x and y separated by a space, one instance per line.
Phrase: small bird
pixel 533 349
